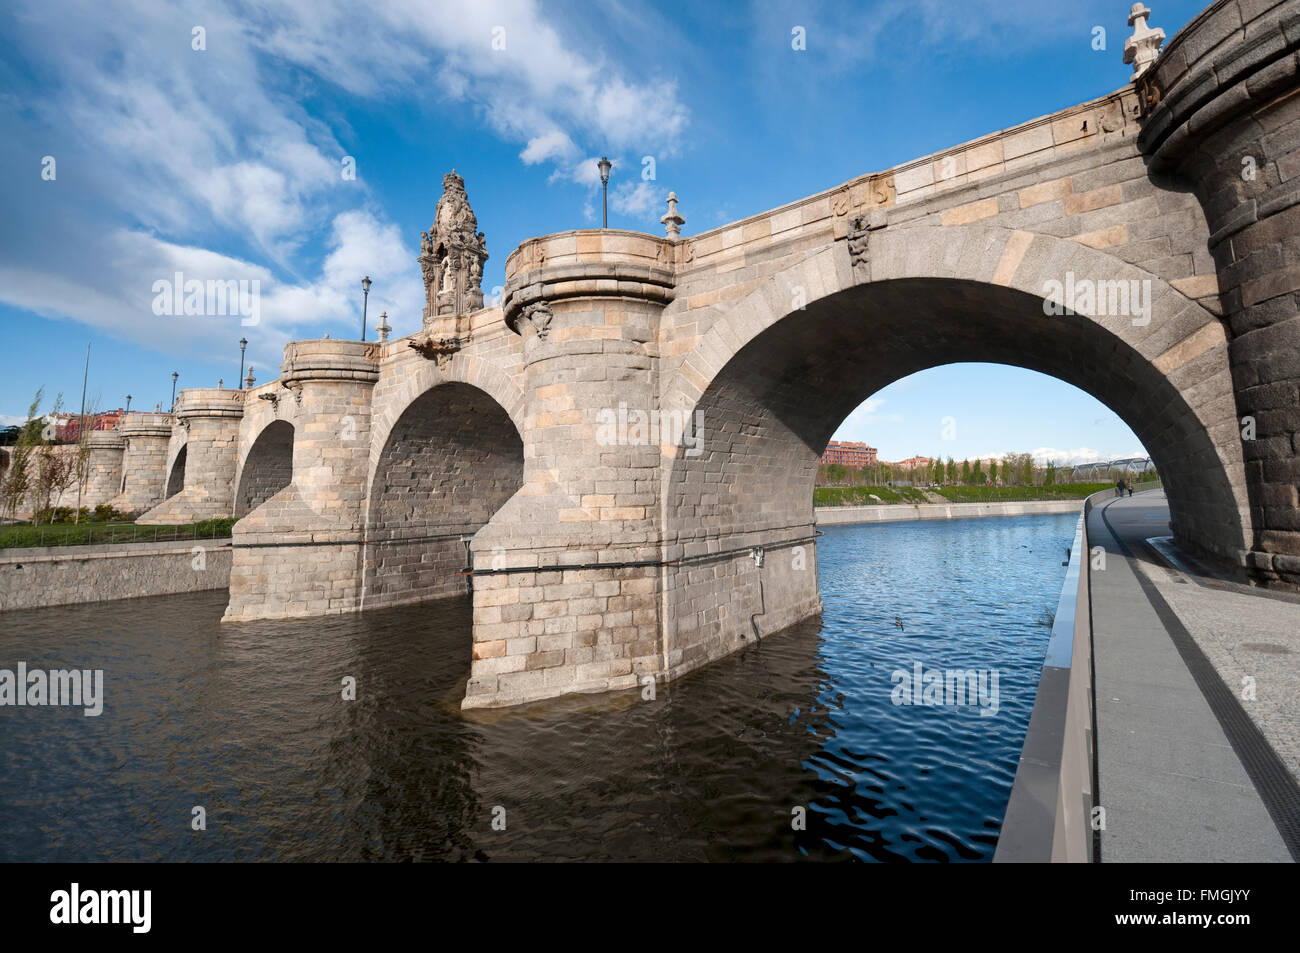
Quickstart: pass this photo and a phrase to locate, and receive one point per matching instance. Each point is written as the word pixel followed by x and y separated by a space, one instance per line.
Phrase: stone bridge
pixel 623 451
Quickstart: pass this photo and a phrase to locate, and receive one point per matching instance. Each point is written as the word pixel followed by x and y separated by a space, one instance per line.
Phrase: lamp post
pixel 604 166
pixel 365 297
pixel 174 377
pixel 243 343
pixel 128 403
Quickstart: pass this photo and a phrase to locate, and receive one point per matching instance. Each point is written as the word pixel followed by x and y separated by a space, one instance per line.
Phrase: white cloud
pixel 637 199
pixel 551 145
pixel 206 161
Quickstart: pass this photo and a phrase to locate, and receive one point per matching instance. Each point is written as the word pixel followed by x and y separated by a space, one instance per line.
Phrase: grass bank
pixel 862 495
pixel 23 535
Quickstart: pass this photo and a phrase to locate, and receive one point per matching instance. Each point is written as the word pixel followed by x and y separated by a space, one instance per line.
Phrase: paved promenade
pixel 1191 767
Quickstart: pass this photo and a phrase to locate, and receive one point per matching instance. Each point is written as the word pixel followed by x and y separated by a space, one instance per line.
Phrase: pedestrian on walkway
pixel 1128 485
pixel 1119 487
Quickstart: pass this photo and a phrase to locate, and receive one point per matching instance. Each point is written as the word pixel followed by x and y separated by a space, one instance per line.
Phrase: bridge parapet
pixel 327 359
pixel 588 264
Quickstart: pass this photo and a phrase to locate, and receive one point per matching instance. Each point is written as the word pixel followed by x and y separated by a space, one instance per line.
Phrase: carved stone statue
pixel 452 253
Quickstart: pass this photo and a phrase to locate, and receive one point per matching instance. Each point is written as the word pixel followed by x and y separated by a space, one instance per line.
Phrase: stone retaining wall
pixel 60 575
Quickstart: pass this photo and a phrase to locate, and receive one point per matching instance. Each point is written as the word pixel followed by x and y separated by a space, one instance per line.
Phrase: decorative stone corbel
pixel 296 389
pixel 436 347
pixel 539 315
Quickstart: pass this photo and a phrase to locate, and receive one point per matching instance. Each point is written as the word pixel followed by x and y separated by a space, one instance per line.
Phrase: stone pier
pixel 210 420
pixel 144 474
pixel 1221 114
pixel 104 452
pixel 325 392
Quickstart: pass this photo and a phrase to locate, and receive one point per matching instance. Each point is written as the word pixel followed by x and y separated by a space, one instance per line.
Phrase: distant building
pixel 68 426
pixel 849 454
pixel 914 463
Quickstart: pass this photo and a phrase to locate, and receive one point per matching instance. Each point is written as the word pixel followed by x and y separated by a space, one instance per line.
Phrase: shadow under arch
pixel 267 469
pixel 451 460
pixel 176 478
pixel 768 413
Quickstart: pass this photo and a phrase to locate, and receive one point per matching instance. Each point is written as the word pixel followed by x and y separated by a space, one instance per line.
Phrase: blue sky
pixel 225 162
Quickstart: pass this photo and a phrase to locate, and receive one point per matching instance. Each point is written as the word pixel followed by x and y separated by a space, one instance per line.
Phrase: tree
pixel 52 470
pixel 977 475
pixel 81 465
pixel 993 471
pixel 965 471
pixel 17 481
pixel 1050 479
pixel 950 471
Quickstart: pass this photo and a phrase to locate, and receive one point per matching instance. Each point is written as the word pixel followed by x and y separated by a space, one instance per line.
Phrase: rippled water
pixel 248 722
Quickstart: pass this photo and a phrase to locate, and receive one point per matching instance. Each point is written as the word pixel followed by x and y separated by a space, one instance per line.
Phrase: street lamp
pixel 128 403
pixel 243 343
pixel 174 377
pixel 604 166
pixel 365 297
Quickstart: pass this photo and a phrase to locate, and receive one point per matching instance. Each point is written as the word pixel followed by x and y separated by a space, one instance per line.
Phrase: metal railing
pixel 1049 813
pixel 71 534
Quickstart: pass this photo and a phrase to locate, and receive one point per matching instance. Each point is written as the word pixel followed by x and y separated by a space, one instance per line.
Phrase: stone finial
pixel 672 221
pixel 1142 49
pixel 452 253
pixel 249 380
pixel 383 328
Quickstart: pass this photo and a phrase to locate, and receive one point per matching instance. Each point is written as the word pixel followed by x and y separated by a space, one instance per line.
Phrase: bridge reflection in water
pixel 247 720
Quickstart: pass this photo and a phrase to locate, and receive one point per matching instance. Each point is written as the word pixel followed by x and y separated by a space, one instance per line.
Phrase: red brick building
pixel 914 463
pixel 69 425
pixel 849 454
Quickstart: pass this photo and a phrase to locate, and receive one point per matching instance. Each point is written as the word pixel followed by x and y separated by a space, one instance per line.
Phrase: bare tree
pixel 81 466
pixel 56 470
pixel 17 481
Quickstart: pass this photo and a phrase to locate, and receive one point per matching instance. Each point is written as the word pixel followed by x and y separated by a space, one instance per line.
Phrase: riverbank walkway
pixel 1197 700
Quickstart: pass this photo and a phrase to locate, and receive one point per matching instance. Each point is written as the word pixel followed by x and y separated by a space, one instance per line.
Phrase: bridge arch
pixel 774 382
pixel 450 460
pixel 175 473
pixel 267 468
pixel 405 383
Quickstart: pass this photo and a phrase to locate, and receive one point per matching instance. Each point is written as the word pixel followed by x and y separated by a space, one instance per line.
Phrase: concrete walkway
pixel 1188 770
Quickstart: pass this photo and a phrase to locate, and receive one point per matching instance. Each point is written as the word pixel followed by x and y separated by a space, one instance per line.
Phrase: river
pixel 792 749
